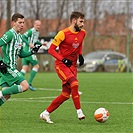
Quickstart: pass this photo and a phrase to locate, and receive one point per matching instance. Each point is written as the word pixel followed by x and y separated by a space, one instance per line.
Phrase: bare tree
pixel 16 9
pixel 60 4
pixel 1 11
pixel 67 13
pixel 8 25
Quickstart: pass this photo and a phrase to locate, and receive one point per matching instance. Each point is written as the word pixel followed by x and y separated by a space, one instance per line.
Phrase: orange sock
pixel 75 94
pixel 56 103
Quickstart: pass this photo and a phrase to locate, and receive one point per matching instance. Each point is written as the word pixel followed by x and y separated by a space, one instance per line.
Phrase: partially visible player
pixel 12 81
pixel 70 42
pixel 32 37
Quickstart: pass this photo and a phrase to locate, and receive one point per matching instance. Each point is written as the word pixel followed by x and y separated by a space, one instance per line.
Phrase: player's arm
pixel 55 43
pixel 38 43
pixel 81 59
pixel 52 50
pixel 5 39
pixel 1 42
pixel 34 50
pixel 81 46
pixel 24 54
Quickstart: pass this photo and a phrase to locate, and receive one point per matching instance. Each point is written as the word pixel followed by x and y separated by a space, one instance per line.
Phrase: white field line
pixel 40 100
pixel 45 99
pixel 47 89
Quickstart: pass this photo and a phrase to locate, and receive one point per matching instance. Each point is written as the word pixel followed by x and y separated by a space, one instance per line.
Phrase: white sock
pixel 35 69
pixel 45 112
pixel 1 95
pixel 3 99
pixel 79 110
pixel 23 71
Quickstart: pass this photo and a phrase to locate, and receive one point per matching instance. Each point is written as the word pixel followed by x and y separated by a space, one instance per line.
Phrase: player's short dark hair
pixel 16 16
pixel 76 15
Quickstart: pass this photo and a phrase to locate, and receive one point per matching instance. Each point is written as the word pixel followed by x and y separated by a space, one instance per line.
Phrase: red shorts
pixel 65 72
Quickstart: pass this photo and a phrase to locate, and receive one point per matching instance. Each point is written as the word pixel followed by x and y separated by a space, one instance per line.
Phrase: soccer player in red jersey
pixel 69 42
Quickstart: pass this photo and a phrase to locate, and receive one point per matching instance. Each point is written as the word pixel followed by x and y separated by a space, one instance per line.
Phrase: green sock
pixel 12 90
pixel 2 100
pixel 32 75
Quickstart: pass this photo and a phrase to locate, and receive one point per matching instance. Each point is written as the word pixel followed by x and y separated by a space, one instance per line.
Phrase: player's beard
pixel 77 28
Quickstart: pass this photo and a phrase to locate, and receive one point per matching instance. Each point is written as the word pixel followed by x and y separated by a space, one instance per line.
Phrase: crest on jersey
pixel 75 44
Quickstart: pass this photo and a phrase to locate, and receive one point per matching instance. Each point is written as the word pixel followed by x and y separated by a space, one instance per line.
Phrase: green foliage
pixel 110 90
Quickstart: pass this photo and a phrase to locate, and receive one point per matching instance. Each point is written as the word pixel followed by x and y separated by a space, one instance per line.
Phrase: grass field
pixel 110 90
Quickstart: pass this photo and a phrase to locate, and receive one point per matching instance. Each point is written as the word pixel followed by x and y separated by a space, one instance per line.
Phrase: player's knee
pixel 25 87
pixel 73 82
pixel 65 95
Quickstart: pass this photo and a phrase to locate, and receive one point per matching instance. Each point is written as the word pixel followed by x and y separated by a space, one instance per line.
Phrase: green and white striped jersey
pixel 32 37
pixel 12 47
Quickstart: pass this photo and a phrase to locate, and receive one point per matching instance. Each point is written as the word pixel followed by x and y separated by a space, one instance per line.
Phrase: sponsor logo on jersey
pixel 18 45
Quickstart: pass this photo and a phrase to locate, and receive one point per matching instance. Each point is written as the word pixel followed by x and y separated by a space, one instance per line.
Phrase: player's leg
pixel 66 91
pixel 16 82
pixel 14 89
pixel 32 76
pixel 25 66
pixel 4 98
pixel 34 63
pixel 62 97
pixel 75 96
pixel 24 69
pixel 71 74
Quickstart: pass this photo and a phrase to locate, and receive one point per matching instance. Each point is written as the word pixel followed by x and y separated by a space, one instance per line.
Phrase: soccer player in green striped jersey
pixel 12 81
pixel 31 36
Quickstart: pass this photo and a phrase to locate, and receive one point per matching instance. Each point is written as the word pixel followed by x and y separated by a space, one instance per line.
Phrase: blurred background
pixel 108 23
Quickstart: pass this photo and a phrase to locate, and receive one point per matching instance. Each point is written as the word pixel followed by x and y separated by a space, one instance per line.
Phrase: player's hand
pixel 3 67
pixel 35 49
pixel 81 60
pixel 31 45
pixel 67 62
pixel 44 44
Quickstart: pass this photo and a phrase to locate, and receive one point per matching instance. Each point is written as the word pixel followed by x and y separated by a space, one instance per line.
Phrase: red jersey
pixel 70 43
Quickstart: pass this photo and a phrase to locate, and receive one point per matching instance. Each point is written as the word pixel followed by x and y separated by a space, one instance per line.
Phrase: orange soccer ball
pixel 101 114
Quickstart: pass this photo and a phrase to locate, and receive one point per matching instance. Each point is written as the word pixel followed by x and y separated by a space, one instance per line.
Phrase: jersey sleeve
pixel 52 51
pixel 24 54
pixel 38 42
pixel 6 38
pixel 58 38
pixel 81 46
